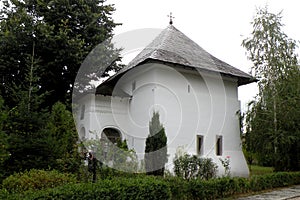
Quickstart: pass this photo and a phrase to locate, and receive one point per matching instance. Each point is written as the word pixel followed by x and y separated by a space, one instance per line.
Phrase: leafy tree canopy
pixel 36 138
pixel 269 48
pixel 63 33
pixel 272 132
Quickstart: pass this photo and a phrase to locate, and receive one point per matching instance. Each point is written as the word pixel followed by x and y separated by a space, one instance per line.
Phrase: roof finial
pixel 171 18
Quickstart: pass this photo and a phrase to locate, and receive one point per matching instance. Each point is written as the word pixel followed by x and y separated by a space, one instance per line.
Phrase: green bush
pixel 191 167
pixel 4 194
pixel 274 180
pixel 225 186
pixel 110 173
pixel 178 186
pixel 122 188
pixel 36 180
pixel 148 187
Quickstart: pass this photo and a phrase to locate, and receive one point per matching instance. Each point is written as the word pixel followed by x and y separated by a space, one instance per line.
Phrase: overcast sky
pixel 218 26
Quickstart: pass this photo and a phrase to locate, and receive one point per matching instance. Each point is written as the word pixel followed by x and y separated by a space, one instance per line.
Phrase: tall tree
pixel 64 32
pixel 28 146
pixel 156 147
pixel 269 48
pixel 274 63
pixel 4 153
pixel 37 139
pixel 62 139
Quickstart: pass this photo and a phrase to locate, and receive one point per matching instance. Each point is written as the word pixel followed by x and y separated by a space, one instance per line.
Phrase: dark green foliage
pixel 260 170
pixel 193 167
pixel 272 121
pixel 42 46
pixel 226 187
pixel 4 153
pixel 25 123
pixel 36 180
pixel 41 140
pixel 36 138
pixel 62 139
pixel 63 33
pixel 156 147
pixel 110 173
pixel 274 180
pixel 145 187
pixel 281 148
pixel 178 186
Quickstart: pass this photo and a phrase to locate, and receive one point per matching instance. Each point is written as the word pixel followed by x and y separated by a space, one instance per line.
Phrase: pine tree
pixel 156 147
pixel 36 138
pixel 28 145
pixel 4 153
pixel 62 139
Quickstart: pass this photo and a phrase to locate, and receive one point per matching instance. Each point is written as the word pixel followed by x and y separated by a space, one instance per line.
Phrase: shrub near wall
pixel 191 166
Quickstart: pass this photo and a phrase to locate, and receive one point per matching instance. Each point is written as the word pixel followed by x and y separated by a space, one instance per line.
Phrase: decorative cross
pixel 171 18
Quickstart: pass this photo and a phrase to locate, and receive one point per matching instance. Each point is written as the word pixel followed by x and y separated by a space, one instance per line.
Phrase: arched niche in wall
pixel 111 134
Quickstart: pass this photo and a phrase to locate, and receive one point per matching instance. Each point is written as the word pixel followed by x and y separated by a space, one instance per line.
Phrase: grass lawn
pixel 259 170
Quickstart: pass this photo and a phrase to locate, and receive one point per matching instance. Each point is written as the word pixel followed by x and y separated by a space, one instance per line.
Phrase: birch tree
pixel 274 60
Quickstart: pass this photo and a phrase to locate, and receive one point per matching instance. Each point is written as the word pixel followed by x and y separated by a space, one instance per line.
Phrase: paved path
pixel 291 193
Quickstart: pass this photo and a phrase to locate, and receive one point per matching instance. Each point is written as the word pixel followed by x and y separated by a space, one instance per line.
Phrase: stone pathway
pixel 290 193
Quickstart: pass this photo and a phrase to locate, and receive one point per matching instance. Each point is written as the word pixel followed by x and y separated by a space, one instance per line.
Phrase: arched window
pixel 111 134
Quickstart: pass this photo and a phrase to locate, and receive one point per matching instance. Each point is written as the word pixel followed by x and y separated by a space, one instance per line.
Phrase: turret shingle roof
pixel 173 47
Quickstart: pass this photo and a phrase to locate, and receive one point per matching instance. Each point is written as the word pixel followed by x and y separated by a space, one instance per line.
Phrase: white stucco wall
pixel 207 108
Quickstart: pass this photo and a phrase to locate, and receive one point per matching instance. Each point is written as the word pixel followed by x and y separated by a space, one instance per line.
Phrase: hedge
pixel 159 188
pixel 36 180
pixel 123 188
pixel 225 187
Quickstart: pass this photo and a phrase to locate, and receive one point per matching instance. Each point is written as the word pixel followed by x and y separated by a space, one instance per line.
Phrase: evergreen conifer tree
pixel 156 147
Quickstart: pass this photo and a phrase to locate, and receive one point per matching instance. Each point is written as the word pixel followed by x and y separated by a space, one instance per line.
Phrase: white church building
pixel 195 93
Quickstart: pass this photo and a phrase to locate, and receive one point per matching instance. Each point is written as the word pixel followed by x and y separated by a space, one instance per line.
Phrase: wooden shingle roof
pixel 174 47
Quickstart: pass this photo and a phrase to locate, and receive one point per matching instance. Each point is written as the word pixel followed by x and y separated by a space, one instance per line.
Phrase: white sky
pixel 218 26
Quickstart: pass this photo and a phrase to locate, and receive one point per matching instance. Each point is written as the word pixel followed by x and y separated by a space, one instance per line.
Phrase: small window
pixel 133 85
pixel 82 112
pixel 200 144
pixel 219 145
pixel 189 88
pixel 82 133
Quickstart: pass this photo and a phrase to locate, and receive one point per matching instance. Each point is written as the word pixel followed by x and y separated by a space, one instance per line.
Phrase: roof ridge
pixel 152 48
pixel 173 46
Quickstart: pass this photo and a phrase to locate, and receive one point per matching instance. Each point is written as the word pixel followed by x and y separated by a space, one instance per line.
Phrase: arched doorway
pixel 111 134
